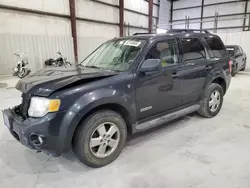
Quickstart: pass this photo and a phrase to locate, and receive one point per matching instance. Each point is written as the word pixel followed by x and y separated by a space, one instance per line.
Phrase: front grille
pixel 24 106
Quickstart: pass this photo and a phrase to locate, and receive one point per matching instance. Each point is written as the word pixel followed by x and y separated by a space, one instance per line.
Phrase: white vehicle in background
pixel 21 70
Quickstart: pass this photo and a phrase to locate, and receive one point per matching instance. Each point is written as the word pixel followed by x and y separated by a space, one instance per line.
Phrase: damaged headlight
pixel 40 106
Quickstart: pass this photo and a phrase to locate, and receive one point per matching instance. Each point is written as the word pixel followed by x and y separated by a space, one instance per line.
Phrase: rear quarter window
pixel 217 48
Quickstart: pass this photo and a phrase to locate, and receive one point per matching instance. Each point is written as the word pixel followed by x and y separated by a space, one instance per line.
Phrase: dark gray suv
pixel 126 86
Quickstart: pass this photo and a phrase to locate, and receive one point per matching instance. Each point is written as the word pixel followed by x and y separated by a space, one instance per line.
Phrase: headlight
pixel 40 106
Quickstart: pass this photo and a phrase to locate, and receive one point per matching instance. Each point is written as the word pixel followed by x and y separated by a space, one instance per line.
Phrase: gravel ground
pixel 187 153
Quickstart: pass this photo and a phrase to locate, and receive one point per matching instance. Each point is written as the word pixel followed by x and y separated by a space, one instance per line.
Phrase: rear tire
pixel 212 101
pixel 234 71
pixel 68 64
pixel 91 138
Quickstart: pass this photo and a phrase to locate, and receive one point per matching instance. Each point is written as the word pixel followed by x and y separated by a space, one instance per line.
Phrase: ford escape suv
pixel 125 86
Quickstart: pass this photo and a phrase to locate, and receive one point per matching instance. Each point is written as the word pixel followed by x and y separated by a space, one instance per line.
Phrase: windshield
pixel 115 55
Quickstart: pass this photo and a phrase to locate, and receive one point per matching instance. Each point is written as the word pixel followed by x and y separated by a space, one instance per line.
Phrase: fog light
pixel 36 140
pixel 40 139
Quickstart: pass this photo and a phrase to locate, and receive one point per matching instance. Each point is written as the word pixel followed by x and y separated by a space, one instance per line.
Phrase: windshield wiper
pixel 93 66
pixel 89 66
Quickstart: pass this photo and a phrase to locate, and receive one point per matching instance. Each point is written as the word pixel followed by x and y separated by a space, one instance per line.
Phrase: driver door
pixel 159 91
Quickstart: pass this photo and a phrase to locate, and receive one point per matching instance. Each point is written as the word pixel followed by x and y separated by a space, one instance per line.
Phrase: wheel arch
pixel 123 111
pixel 221 81
pixel 115 107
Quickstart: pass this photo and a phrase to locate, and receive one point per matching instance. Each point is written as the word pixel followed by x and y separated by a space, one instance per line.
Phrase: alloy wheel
pixel 214 101
pixel 104 140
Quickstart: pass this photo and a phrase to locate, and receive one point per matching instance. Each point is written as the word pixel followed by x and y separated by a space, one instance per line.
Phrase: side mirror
pixel 151 65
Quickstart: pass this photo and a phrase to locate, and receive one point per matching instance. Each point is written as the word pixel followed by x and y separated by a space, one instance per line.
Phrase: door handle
pixel 208 67
pixel 175 75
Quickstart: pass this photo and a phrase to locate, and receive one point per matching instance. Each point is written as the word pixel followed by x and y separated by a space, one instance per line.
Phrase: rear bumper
pixel 48 134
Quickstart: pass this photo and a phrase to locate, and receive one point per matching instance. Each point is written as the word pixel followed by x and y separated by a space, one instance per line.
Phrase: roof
pixel 231 46
pixel 156 36
pixel 174 32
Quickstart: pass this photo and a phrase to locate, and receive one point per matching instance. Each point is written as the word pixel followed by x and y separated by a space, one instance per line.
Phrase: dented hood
pixel 46 81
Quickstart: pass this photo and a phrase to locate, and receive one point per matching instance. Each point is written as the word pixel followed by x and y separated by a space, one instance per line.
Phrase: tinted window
pixel 231 50
pixel 238 51
pixel 192 49
pixel 216 45
pixel 166 51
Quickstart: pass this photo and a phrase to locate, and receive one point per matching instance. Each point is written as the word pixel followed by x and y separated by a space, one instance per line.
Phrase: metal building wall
pixel 237 38
pixel 87 44
pixel 230 14
pixel 164 14
pixel 38 49
pixel 42 34
pixel 16 22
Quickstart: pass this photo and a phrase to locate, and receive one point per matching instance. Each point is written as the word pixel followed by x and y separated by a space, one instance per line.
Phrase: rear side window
pixel 216 45
pixel 192 49
pixel 238 51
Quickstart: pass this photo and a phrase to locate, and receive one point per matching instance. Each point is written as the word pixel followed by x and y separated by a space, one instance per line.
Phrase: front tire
pixel 100 138
pixel 212 101
pixel 22 73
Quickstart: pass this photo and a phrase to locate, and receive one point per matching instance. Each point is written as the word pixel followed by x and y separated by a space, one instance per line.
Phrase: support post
pixel 245 15
pixel 73 27
pixel 216 21
pixel 185 22
pixel 150 16
pixel 171 13
pixel 202 9
pixel 188 22
pixel 121 22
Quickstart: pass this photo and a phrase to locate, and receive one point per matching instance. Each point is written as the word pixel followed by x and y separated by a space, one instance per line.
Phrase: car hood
pixel 46 81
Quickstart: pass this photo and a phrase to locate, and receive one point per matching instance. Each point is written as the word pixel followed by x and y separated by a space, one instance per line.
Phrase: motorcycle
pixel 60 61
pixel 21 70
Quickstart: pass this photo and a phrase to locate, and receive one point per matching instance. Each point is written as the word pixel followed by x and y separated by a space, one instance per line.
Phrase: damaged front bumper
pixel 47 134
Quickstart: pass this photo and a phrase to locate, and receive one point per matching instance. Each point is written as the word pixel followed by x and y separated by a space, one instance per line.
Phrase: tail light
pixel 230 64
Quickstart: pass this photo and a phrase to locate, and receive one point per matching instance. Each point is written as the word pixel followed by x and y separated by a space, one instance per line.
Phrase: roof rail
pixel 142 33
pixel 186 31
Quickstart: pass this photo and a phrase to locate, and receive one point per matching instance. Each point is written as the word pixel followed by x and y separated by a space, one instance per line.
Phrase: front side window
pixel 166 51
pixel 216 45
pixel 238 51
pixel 192 49
pixel 241 50
pixel 115 55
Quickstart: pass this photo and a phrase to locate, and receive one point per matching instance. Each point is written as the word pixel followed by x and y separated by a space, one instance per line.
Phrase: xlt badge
pixel 146 108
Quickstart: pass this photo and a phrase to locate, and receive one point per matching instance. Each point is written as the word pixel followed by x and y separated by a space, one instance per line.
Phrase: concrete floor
pixel 191 152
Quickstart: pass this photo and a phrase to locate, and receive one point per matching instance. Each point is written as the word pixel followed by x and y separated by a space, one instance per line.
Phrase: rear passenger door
pixel 195 69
